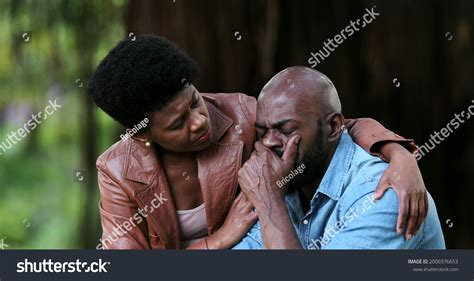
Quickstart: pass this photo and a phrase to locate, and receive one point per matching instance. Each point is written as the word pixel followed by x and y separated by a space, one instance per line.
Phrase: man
pixel 326 181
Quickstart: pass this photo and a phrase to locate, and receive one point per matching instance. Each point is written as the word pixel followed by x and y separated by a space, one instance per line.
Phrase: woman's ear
pixel 336 122
pixel 144 130
pixel 143 135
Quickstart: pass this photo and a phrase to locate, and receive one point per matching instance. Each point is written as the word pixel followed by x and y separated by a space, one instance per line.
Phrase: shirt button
pixel 305 221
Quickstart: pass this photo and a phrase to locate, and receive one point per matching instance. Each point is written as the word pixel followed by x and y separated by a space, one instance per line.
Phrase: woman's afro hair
pixel 140 76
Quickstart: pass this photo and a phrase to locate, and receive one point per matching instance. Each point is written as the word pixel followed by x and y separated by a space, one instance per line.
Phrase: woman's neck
pixel 171 158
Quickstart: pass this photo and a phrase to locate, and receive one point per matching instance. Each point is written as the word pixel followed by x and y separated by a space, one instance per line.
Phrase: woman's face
pixel 183 125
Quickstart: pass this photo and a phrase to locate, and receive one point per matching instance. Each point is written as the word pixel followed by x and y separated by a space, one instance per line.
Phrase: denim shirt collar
pixel 333 180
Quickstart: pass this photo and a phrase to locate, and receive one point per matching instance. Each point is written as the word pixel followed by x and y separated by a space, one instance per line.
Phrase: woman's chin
pixel 203 146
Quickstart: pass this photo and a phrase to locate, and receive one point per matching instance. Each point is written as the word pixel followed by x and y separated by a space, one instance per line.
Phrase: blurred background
pixel 411 69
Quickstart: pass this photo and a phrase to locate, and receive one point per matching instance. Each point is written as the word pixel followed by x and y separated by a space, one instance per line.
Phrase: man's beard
pixel 312 159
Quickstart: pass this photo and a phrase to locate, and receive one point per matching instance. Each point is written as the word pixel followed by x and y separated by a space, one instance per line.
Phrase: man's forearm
pixel 277 229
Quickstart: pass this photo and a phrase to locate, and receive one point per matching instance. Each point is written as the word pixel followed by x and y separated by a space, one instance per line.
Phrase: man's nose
pixel 198 121
pixel 273 141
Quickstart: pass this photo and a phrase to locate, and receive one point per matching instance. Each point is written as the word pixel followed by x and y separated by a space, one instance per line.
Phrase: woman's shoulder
pixel 114 156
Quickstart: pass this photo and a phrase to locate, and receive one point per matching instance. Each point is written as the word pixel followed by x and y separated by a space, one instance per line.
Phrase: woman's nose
pixel 198 122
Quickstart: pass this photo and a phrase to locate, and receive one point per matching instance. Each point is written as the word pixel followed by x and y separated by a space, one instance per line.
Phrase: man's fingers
pixel 242 176
pixel 402 213
pixel 253 155
pixel 259 147
pixel 291 150
pixel 412 218
pixel 242 197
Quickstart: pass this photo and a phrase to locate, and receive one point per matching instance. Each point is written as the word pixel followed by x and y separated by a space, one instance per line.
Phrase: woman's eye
pixel 196 103
pixel 178 125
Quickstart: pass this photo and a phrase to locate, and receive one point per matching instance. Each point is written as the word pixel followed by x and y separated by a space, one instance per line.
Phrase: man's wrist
pixel 277 229
pixel 273 209
pixel 276 197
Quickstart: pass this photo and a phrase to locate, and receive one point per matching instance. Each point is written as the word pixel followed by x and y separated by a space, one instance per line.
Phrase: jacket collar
pixel 220 122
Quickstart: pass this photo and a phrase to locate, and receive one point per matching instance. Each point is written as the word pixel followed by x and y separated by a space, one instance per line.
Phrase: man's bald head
pixel 299 82
pixel 300 101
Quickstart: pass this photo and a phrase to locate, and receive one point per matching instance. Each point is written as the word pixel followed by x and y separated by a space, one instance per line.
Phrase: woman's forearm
pixel 391 149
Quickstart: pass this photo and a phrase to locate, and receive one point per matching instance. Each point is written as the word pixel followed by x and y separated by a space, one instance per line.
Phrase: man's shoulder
pixel 365 167
pixel 363 175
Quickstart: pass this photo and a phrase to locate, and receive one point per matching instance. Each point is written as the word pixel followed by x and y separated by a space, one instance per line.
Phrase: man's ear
pixel 336 122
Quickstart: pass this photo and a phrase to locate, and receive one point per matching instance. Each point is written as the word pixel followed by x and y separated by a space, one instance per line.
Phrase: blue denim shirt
pixel 343 214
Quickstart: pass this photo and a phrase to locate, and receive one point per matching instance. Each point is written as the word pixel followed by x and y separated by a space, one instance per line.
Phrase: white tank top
pixel 193 225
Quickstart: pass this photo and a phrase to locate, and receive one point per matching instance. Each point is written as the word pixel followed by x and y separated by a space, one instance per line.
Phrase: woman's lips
pixel 205 136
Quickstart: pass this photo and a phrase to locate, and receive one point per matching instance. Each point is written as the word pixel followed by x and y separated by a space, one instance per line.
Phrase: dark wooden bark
pixel 406 42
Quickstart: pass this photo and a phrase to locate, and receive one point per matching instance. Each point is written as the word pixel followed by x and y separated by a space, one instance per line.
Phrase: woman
pixel 173 183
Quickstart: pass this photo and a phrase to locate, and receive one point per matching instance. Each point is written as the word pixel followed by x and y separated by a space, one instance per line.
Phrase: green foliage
pixel 41 202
